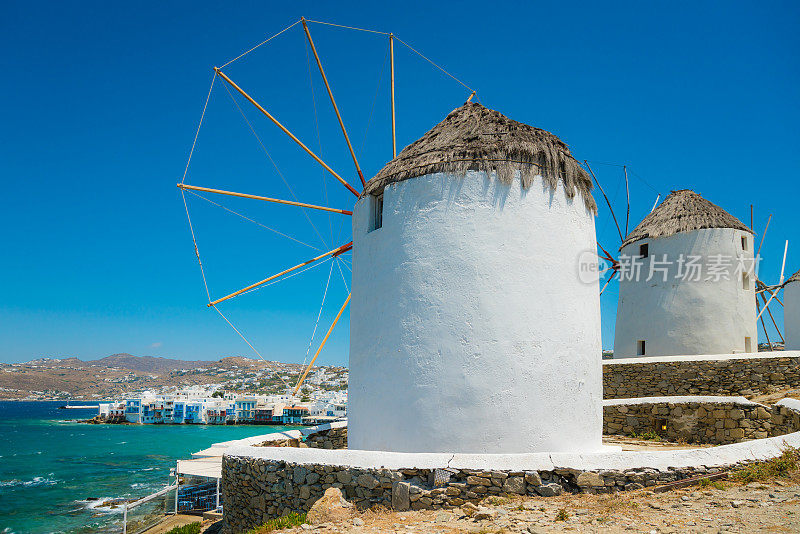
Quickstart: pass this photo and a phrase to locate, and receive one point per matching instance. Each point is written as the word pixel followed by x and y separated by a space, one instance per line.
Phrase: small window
pixel 745 281
pixel 744 242
pixel 748 345
pixel 660 426
pixel 640 347
pixel 377 212
pixel 644 250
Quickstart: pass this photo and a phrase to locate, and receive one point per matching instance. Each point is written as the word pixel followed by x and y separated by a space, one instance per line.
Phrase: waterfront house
pixel 293 415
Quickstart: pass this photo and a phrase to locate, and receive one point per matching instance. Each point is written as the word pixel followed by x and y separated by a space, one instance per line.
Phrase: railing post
pixel 177 485
pixel 217 507
pixel 125 519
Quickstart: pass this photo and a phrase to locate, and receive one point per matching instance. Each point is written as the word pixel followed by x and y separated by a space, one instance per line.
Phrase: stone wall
pixel 333 438
pixel 680 375
pixel 256 489
pixel 699 421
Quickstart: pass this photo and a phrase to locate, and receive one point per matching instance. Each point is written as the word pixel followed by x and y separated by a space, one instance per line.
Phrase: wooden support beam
pixel 763 325
pixel 774 323
pixel 334 252
pixel 689 482
pixel 267 199
pixel 619 231
pixel 391 69
pixel 286 131
pixel 324 340
pixel 333 101
pixel 628 197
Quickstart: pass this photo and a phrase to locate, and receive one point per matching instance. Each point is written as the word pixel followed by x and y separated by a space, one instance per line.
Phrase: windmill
pixel 220 74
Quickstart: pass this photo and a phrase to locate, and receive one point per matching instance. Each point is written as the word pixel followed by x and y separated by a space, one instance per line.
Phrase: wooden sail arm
pixel 619 231
pixel 335 252
pixel 333 101
pixel 286 131
pixel 325 339
pixel 267 199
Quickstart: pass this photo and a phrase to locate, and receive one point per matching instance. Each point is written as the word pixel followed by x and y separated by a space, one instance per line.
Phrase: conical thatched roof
pixel 794 278
pixel 683 211
pixel 474 137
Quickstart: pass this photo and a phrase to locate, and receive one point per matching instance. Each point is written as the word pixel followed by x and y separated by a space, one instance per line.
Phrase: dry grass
pixel 784 466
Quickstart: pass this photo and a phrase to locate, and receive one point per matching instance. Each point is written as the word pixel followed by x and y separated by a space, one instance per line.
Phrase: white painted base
pixel 470 329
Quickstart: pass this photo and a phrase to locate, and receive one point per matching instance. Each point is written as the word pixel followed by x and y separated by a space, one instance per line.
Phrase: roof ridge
pixel 684 210
pixel 474 137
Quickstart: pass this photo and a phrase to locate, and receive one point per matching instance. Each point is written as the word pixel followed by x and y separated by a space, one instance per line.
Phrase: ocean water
pixel 50 466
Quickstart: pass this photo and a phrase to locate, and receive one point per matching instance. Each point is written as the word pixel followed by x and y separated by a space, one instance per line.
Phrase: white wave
pixel 35 481
pixel 104 504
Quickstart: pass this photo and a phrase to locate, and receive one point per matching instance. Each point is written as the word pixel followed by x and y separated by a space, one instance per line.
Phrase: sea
pixel 55 472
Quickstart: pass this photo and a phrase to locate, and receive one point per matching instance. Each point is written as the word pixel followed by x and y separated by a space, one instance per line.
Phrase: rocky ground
pixel 718 507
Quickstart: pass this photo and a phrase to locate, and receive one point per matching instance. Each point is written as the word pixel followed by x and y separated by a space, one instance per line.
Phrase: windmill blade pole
pixel 783 265
pixel 391 68
pixel 774 323
pixel 619 231
pixel 628 197
pixel 286 131
pixel 613 274
pixel 334 252
pixel 324 340
pixel 758 254
pixel 764 326
pixel 333 101
pixel 267 199
pixel 658 197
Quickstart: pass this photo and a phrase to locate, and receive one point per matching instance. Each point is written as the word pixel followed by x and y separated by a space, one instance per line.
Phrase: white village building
pixel 470 329
pixel 686 282
pixel 791 312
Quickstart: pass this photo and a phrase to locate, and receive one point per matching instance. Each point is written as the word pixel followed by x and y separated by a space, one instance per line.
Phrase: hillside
pixel 120 374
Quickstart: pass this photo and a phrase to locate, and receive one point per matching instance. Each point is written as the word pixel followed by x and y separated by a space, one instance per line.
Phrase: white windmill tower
pixel 693 291
pixel 791 312
pixel 467 311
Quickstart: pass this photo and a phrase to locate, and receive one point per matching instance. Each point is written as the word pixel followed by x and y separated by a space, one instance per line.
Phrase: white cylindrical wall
pixel 470 329
pixel 791 315
pixel 682 315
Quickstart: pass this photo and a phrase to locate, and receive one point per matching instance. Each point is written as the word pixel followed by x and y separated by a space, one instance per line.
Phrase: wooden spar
pixel 658 196
pixel 605 197
pixel 780 282
pixel 324 340
pixel 286 131
pixel 613 274
pixel 764 326
pixel 334 252
pixel 470 97
pixel 774 323
pixel 758 254
pixel 391 69
pixel 751 217
pixel 765 288
pixel 335 107
pixel 256 197
pixel 628 197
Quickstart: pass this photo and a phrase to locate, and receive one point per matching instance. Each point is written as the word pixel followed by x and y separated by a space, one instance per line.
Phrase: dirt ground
pixel 742 508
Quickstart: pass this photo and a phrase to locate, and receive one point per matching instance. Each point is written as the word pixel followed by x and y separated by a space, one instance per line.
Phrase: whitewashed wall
pixel 470 330
pixel 791 315
pixel 687 317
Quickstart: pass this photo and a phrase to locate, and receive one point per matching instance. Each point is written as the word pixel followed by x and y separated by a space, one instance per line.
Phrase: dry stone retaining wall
pixel 697 420
pixel 745 375
pixel 256 489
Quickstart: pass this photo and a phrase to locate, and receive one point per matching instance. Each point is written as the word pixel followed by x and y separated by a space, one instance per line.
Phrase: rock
pixel 343 477
pixel 633 486
pixel 469 509
pixel 306 526
pixel 368 481
pixel 401 496
pixel 514 485
pixel 549 490
pixel 330 507
pixel 533 478
pixel 588 479
pixel 478 481
pixel 358 522
pixel 483 513
pixel 736 504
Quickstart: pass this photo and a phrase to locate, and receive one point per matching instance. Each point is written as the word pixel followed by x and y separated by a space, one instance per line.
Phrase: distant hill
pixel 147 364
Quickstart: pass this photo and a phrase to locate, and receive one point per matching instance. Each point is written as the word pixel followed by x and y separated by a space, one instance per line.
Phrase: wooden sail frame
pixel 336 252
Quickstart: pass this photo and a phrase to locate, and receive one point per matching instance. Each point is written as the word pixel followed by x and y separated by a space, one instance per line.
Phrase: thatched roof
pixel 474 137
pixel 683 211
pixel 794 278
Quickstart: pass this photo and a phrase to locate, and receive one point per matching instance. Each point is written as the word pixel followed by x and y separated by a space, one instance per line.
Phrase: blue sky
pixel 101 102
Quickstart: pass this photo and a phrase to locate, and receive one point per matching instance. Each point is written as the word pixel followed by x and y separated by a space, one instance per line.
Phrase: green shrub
pixel 562 515
pixel 650 435
pixel 191 528
pixel 288 521
pixel 780 467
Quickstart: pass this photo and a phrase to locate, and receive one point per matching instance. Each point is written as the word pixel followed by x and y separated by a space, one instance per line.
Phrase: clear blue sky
pixel 100 102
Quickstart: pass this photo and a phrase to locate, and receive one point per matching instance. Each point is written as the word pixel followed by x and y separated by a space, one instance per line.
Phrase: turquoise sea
pixel 50 466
